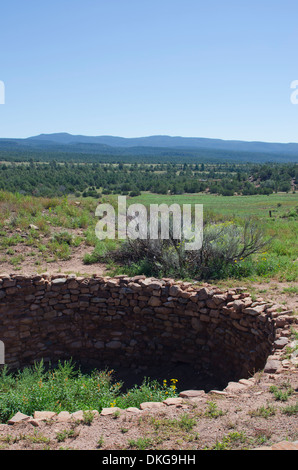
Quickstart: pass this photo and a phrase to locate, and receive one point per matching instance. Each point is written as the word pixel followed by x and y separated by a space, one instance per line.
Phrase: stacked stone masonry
pixel 131 322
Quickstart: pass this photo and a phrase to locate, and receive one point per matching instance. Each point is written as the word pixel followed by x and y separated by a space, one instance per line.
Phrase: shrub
pixel 224 245
pixel 100 252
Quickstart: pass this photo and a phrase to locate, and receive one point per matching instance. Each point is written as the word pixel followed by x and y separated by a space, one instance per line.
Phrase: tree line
pixel 91 179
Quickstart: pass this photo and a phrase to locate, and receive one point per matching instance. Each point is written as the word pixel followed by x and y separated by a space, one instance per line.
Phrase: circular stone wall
pixel 134 323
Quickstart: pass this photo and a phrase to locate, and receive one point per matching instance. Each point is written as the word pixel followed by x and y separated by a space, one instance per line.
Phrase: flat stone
pixel 110 411
pixel 60 280
pixel 151 405
pixel 133 409
pixel 192 393
pixel 18 418
pixel 44 415
pixel 247 382
pixel 254 310
pixel 234 387
pixel 78 415
pixel 63 416
pixel 173 401
pixel 281 342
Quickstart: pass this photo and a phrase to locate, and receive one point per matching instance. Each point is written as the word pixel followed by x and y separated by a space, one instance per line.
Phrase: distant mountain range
pixel 170 142
pixel 231 150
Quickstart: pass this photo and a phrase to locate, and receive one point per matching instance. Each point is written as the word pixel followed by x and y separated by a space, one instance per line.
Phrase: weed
pixel 100 442
pixel 213 411
pixel 88 417
pixel 65 434
pixel 232 440
pixel 142 443
pixel 282 393
pixel 263 412
pixel 290 409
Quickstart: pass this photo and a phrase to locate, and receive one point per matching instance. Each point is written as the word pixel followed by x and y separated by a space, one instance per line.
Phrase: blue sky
pixel 217 69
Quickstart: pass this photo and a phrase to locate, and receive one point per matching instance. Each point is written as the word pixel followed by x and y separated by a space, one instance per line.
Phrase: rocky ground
pixel 258 413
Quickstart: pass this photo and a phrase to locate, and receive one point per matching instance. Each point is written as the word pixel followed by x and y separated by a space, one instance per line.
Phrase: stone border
pixel 133 321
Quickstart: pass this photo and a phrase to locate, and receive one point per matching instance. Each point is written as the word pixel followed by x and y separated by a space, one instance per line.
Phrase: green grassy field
pixel 66 224
pixel 280 260
pixel 231 206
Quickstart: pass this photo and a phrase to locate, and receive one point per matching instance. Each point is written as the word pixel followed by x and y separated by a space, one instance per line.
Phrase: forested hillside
pixel 59 179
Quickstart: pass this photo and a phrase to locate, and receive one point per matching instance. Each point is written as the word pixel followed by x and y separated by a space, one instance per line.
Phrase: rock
pixel 192 393
pixel 148 282
pixel 272 366
pixel 237 305
pixel 110 411
pixel 64 416
pixel 154 302
pixel 113 282
pixel 156 285
pixel 44 415
pixel 151 405
pixel 203 294
pixel 33 227
pixel 59 280
pixel 254 311
pixel 35 422
pixel 133 409
pixel 281 342
pixel 175 291
pixel 219 298
pixel 18 418
pixel 240 289
pixel 234 387
pixel 78 416
pixel 247 382
pixel 173 401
